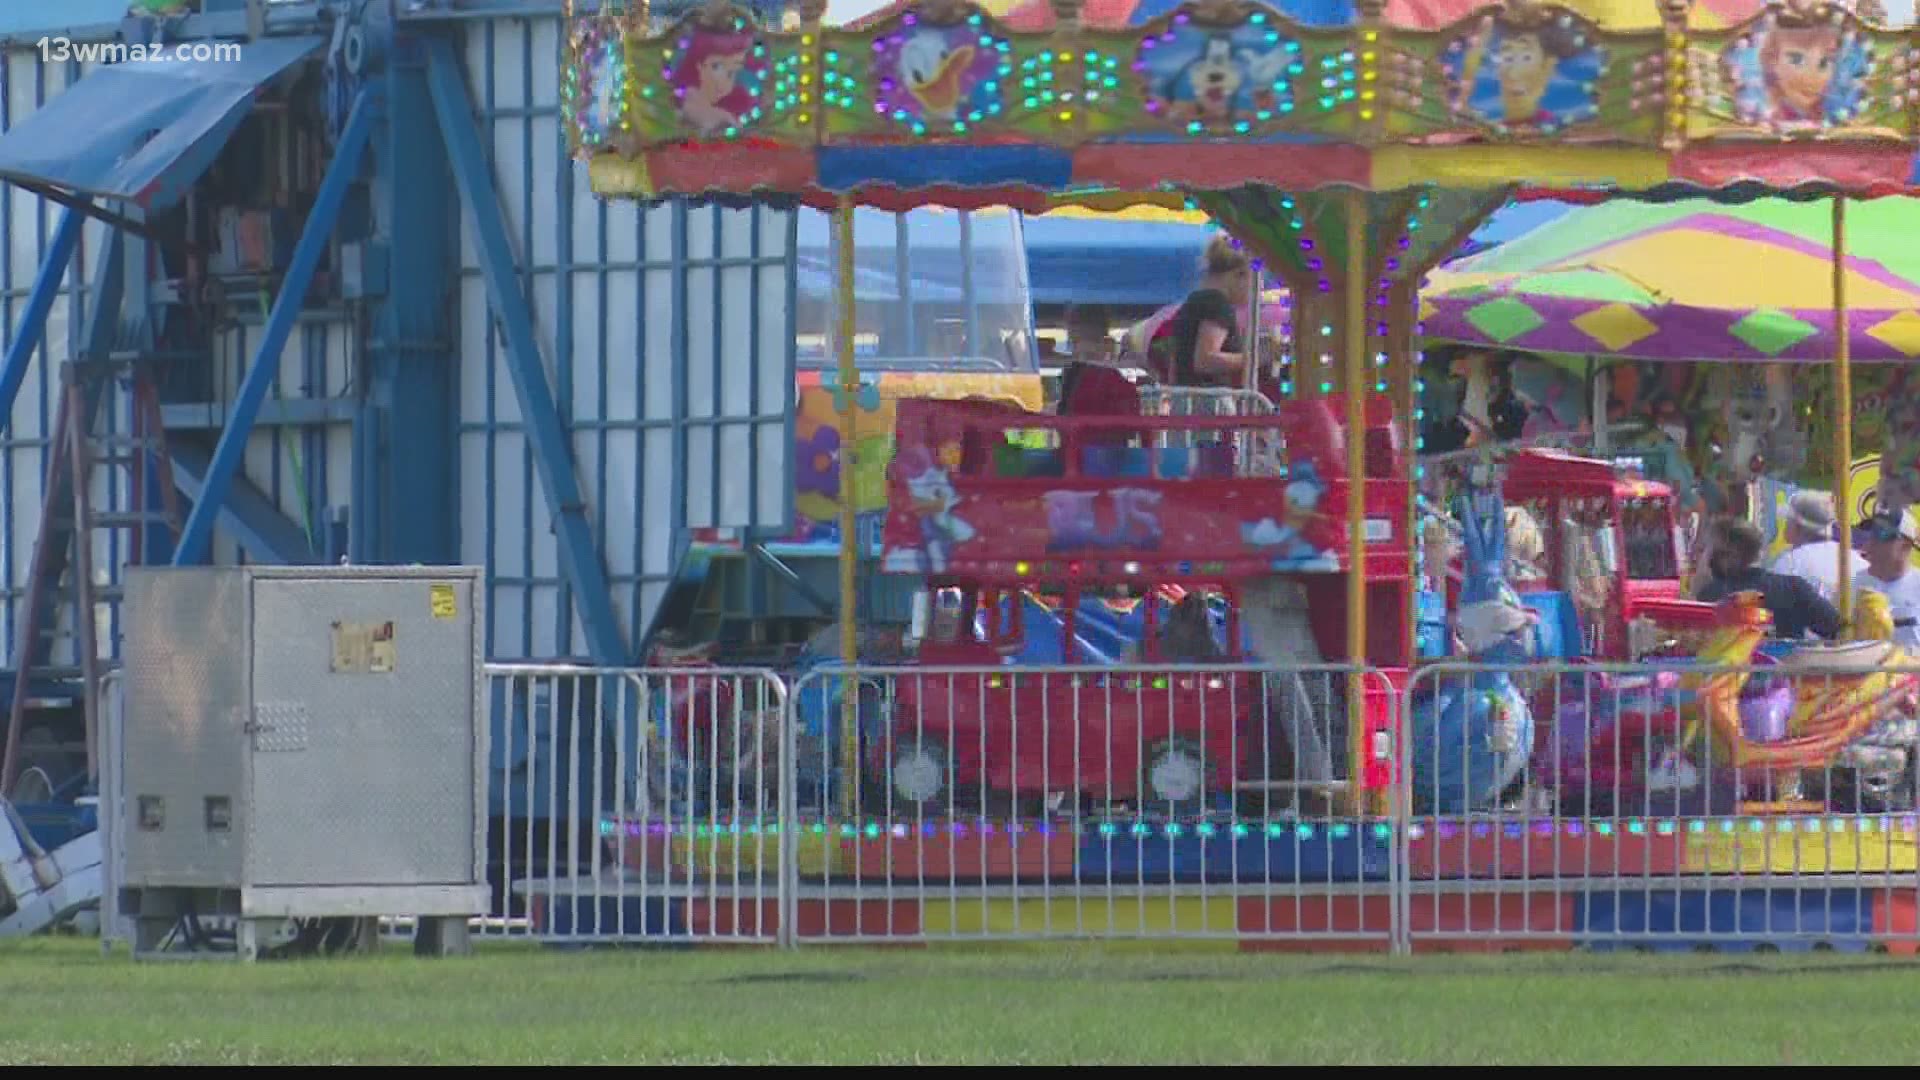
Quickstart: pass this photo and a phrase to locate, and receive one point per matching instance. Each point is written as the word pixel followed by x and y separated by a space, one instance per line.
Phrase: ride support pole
pixel 1843 404
pixel 844 328
pixel 1356 386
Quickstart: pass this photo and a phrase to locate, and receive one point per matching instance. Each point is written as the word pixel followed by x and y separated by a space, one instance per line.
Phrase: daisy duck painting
pixel 933 501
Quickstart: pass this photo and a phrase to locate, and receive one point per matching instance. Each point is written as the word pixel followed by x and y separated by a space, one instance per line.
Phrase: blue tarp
pixel 144 131
pixel 22 18
pixel 1119 263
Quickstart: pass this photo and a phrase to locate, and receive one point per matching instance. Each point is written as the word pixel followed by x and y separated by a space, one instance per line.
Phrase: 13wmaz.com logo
pixel 61 50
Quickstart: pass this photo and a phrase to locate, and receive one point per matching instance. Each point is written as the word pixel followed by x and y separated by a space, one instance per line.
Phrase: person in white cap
pixel 1891 540
pixel 1812 552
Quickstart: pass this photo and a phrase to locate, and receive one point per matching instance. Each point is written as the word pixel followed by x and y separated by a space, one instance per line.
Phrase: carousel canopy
pixel 950 102
pixel 1423 14
pixel 1689 281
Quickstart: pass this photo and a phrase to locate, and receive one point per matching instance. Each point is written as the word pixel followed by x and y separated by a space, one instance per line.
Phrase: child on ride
pixel 1089 383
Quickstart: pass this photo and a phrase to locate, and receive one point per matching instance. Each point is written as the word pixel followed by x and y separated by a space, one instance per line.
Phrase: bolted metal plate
pixel 280 727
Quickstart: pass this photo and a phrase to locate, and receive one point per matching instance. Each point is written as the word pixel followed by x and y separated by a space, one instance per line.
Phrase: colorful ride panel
pixel 1146 499
pixel 943 101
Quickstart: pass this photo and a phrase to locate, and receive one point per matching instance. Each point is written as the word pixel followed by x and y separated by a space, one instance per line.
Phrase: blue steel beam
pixel 197 533
pixel 263 531
pixel 33 321
pixel 410 359
pixel 547 436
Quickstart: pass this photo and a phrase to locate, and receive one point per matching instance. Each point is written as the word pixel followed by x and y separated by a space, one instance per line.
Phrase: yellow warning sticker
pixel 440 600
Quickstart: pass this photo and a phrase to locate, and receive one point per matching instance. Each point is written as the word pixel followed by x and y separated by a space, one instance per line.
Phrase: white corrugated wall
pixel 632 292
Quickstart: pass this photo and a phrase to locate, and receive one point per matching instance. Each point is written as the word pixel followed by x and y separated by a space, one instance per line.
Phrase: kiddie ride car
pixel 1156 509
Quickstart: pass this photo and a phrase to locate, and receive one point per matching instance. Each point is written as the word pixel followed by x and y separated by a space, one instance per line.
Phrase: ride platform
pixel 1844 882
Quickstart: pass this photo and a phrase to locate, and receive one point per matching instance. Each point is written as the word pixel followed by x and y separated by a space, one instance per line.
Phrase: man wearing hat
pixel 1812 552
pixel 1890 542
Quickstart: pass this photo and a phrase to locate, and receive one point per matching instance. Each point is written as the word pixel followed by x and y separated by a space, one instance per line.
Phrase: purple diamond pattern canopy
pixel 1689 280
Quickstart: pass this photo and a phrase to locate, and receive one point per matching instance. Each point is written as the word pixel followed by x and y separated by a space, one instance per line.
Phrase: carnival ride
pixel 1350 152
pixel 1601 543
pixel 1855 707
pixel 1699 322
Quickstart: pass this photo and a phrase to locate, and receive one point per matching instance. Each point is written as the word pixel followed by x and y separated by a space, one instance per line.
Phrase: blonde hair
pixel 1526 546
pixel 1223 257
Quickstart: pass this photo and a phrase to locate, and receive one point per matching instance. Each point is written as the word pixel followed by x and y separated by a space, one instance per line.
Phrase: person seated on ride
pixel 1890 542
pixel 1733 561
pixel 1812 552
pixel 1090 384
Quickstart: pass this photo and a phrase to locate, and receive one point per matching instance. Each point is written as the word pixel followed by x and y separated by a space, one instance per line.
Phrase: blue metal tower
pixel 388 321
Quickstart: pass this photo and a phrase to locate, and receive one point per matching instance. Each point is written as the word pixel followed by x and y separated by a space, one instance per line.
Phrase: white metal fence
pixel 1536 806
pixel 1139 801
pixel 638 804
pixel 1663 804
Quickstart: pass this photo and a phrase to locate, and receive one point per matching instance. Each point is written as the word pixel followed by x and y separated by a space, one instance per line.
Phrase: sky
pixel 843 11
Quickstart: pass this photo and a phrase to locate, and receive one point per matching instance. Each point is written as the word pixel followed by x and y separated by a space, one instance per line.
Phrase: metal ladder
pixel 63 552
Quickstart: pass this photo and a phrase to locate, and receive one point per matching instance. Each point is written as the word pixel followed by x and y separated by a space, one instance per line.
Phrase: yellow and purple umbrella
pixel 1689 280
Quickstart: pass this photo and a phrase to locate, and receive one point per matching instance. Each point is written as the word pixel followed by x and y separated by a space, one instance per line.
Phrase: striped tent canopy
pixel 1690 280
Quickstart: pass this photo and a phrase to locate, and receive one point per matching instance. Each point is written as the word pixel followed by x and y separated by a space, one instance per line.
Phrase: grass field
pixel 62 1002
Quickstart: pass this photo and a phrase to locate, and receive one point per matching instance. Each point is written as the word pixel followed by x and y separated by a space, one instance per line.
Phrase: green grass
pixel 62 1002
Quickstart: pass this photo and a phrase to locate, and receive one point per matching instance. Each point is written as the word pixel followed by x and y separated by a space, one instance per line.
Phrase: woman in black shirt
pixel 1207 346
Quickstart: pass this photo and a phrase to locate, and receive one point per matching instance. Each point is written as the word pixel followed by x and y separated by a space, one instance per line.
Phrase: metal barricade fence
pixel 936 803
pixel 1256 453
pixel 1160 400
pixel 1600 806
pixel 637 804
pixel 112 793
pixel 1662 804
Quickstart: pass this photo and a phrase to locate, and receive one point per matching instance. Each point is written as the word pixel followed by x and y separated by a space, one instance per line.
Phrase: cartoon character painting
pixel 1219 77
pixel 594 99
pixel 933 72
pixel 1527 68
pixel 933 502
pixel 940 78
pixel 1299 540
pixel 1075 523
pixel 716 78
pixel 1211 82
pixel 1804 67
